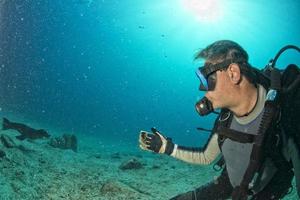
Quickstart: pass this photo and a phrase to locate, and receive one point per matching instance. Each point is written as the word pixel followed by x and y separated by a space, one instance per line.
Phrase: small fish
pixel 26 131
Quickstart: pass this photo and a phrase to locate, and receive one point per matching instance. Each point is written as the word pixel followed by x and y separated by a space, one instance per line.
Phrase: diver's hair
pixel 222 50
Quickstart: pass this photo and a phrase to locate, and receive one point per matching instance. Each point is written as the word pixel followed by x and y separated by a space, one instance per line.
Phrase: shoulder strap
pixel 271 111
pixel 236 135
pixel 222 129
pixel 222 122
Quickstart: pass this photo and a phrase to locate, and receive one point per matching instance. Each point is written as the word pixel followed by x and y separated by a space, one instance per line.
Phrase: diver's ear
pixel 234 73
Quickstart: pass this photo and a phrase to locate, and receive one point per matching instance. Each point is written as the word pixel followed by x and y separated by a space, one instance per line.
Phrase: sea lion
pixel 26 131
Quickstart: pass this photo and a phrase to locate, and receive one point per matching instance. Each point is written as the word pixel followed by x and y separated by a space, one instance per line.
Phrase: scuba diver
pixel 256 136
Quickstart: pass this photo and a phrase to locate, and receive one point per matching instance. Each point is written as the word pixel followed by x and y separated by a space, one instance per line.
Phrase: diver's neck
pixel 247 102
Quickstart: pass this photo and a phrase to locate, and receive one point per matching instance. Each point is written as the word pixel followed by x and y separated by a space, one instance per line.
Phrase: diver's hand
pixel 152 141
pixel 155 142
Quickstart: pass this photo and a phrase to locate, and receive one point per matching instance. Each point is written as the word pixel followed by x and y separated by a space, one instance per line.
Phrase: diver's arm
pixel 202 156
pixel 156 142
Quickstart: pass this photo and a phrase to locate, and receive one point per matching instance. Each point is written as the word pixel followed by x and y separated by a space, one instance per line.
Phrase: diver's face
pixel 219 96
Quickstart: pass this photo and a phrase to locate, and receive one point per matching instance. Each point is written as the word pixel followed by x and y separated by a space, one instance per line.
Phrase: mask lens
pixel 211 80
pixel 203 81
pixel 206 84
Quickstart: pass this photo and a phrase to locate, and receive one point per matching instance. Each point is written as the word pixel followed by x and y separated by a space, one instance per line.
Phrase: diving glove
pixel 155 142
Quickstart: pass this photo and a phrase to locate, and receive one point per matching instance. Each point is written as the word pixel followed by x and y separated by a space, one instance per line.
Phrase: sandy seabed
pixel 34 170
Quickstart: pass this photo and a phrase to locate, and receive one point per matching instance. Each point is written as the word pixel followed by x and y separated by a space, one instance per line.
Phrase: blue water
pixel 108 68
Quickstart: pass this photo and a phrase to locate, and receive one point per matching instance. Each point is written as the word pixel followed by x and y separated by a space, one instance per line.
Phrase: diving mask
pixel 207 73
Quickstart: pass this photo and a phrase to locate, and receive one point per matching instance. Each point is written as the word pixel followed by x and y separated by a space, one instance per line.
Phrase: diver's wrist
pixel 169 147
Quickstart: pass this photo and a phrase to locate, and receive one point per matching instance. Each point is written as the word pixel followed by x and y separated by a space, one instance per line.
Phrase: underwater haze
pixel 106 69
pixel 110 68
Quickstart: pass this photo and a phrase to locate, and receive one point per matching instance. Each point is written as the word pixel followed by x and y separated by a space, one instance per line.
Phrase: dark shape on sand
pixel 66 141
pixel 26 131
pixel 7 141
pixel 2 153
pixel 131 164
pixel 116 156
